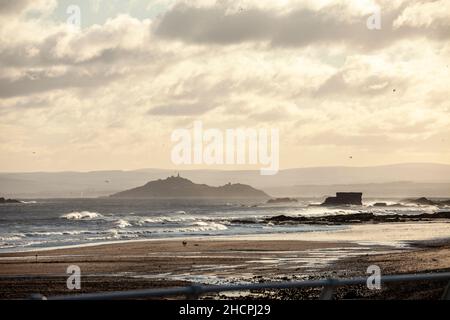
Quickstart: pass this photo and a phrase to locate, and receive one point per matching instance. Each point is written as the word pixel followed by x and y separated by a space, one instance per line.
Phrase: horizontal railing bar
pixel 197 290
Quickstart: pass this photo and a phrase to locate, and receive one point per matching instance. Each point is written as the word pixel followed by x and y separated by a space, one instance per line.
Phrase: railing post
pixel 446 295
pixel 328 290
pixel 195 293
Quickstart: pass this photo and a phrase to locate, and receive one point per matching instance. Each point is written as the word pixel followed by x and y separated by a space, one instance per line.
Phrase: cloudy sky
pixel 109 95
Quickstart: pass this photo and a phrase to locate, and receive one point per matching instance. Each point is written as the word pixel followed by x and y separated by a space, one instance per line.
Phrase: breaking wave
pixel 159 220
pixel 84 215
pixel 122 224
pixel 203 226
pixel 13 237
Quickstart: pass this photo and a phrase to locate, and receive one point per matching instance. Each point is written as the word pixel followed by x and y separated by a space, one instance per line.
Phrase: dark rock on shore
pixel 427 202
pixel 4 201
pixel 282 200
pixel 380 204
pixel 423 201
pixel 355 218
pixel 344 198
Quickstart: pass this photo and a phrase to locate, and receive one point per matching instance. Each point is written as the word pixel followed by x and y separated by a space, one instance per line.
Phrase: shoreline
pixel 400 235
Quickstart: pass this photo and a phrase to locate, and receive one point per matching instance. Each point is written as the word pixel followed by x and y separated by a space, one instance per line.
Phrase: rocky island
pixel 178 187
pixel 5 201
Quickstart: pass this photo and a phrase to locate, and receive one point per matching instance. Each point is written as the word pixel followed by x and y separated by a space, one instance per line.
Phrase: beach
pixel 243 259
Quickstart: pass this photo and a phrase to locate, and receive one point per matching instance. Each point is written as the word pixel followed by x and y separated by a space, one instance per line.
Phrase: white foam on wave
pixel 58 233
pixel 203 226
pixel 122 224
pixel 84 215
pixel 13 237
pixel 159 220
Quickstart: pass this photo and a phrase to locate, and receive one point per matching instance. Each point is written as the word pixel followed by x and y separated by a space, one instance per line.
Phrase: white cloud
pixel 425 14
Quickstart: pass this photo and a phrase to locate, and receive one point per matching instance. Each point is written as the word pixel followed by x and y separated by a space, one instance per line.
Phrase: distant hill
pixel 177 187
pixel 420 179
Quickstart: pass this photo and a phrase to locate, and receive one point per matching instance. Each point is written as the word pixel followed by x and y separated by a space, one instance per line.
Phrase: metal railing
pixel 195 291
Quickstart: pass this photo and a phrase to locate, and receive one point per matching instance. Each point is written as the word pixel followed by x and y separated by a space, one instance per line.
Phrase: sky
pixel 109 95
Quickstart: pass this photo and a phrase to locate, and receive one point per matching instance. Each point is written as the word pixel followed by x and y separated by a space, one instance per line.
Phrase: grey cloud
pixel 13 6
pixel 213 25
pixel 42 82
pixel 272 115
pixel 372 85
pixel 18 55
pixel 181 109
pixel 31 103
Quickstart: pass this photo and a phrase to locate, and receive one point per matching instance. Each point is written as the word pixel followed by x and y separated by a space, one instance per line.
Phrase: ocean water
pixel 65 222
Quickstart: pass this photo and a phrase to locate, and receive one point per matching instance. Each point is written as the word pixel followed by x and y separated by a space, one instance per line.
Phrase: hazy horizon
pixel 228 169
pixel 399 180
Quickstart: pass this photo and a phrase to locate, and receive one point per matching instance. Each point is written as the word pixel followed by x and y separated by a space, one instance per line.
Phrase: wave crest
pixel 84 215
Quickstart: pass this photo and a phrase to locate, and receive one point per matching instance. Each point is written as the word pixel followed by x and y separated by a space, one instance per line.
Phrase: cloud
pixel 297 28
pixel 43 81
pixel 65 59
pixel 11 7
pixel 17 7
pixel 181 109
pixel 311 68
pixel 370 85
pixel 433 14
pixel 118 37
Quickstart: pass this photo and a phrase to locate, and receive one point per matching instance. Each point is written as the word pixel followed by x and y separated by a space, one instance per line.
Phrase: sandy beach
pixel 168 263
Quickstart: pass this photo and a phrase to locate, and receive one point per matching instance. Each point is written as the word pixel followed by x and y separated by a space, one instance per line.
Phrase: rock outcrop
pixel 344 198
pixel 380 204
pixel 281 200
pixel 356 218
pixel 3 200
pixel 427 202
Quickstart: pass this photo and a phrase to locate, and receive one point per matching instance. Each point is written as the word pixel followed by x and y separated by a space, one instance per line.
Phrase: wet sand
pixel 153 258
pixel 169 263
pixel 424 257
pixel 166 263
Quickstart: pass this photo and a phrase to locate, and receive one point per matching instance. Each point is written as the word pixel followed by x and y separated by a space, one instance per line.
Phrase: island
pixel 176 187
pixel 5 201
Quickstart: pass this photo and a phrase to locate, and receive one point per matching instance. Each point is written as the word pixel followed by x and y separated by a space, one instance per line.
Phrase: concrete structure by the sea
pixel 344 198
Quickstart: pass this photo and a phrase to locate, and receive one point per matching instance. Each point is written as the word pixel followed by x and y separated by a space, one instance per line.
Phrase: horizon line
pixel 226 170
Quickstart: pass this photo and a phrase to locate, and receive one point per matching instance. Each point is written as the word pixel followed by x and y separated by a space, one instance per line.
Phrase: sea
pixel 53 223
